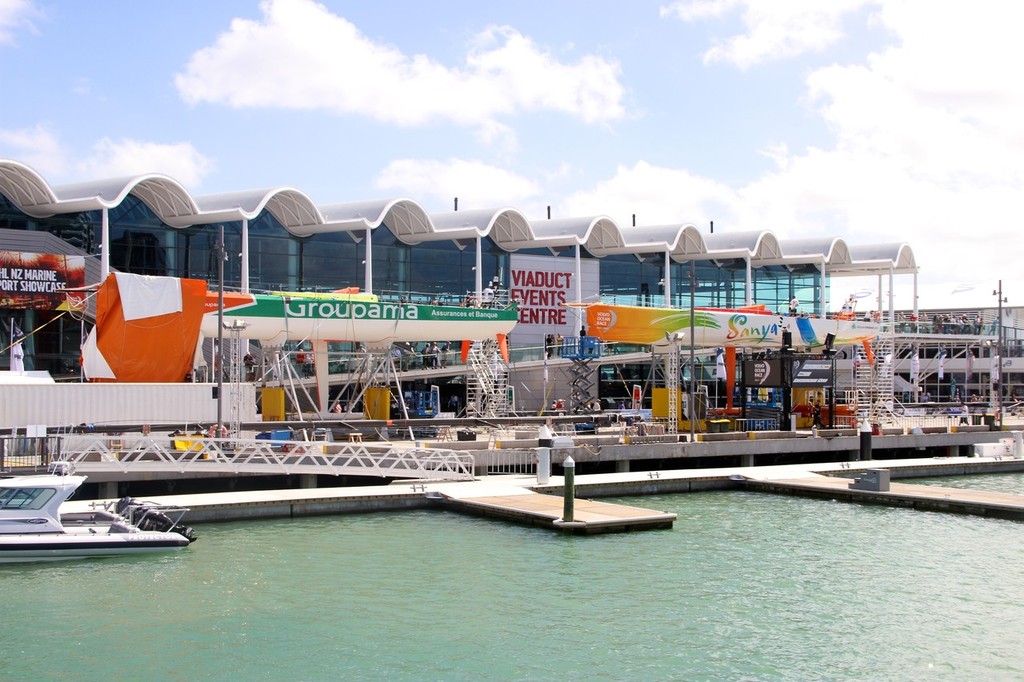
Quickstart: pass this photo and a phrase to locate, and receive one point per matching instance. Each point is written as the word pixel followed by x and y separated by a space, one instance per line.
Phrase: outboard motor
pixel 147 516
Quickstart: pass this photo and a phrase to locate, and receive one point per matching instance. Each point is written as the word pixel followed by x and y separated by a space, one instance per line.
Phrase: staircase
pixel 487 390
pixel 874 382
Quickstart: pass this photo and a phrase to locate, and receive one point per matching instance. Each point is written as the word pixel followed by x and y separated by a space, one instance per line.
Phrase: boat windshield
pixel 25 498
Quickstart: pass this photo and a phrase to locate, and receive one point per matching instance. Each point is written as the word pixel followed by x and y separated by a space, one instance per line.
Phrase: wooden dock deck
pixel 922 497
pixel 525 506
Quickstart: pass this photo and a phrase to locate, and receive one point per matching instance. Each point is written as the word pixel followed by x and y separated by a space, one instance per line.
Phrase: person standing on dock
pixel 816 415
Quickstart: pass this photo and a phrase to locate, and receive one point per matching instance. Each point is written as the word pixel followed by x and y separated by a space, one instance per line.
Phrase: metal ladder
pixel 672 384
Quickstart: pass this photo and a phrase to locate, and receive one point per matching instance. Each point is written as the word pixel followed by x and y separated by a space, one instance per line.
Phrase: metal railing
pixel 757 424
pixel 845 421
pixel 511 462
pixel 28 451
pixel 90 453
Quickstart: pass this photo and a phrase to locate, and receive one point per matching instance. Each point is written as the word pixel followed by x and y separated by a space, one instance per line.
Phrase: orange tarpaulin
pixel 140 347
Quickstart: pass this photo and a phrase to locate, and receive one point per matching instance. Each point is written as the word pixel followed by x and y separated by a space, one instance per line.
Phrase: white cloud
pixel 656 195
pixel 42 150
pixel 301 56
pixel 928 140
pixel 774 30
pixel 37 147
pixel 180 160
pixel 16 15
pixel 478 185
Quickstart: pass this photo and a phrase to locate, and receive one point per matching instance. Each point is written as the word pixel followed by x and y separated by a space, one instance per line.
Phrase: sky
pixel 876 121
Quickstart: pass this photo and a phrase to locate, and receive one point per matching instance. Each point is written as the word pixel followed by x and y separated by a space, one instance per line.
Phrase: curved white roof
pixel 898 254
pixel 26 189
pixel 411 224
pixel 753 244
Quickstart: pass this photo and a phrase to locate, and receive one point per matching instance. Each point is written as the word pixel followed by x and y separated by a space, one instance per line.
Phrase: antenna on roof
pixel 549 212
pixel 456 203
pixel 634 220
pixel 712 227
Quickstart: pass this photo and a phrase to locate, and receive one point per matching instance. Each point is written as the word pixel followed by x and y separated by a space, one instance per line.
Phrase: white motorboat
pixel 32 527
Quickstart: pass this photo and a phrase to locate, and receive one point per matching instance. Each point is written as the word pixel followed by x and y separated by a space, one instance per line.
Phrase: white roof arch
pixel 757 245
pixel 812 250
pixel 509 227
pixel 560 233
pixel 165 196
pixel 690 244
pixel 293 209
pixel 881 258
pixel 26 189
pixel 405 217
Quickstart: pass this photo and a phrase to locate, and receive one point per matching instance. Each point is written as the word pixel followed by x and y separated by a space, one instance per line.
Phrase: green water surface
pixel 747 586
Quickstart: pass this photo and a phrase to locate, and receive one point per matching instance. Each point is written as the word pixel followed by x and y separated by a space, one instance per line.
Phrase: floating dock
pixel 921 497
pixel 521 505
pixel 519 498
pixel 504 497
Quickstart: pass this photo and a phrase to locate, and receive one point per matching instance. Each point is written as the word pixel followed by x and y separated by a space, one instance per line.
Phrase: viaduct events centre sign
pixel 542 286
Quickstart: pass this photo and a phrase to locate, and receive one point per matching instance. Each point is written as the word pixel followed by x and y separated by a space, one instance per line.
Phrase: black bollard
pixel 865 441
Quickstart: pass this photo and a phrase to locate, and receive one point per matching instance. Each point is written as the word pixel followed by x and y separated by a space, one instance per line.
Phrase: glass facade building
pixel 155 227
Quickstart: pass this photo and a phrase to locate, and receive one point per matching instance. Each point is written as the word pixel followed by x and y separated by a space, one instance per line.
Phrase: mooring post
pixel 544 443
pixel 865 441
pixel 570 489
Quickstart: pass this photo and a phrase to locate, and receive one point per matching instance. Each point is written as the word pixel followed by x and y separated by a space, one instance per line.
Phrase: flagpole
pixel 221 254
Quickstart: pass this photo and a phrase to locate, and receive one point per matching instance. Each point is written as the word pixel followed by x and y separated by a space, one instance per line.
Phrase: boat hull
pixel 68 546
pixel 720 328
pixel 274 319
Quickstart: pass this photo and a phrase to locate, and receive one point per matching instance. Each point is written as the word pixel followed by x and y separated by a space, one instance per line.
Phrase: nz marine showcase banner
pixel 38 280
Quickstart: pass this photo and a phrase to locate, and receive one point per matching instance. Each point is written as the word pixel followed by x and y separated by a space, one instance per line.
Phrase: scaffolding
pixel 234 387
pixel 376 368
pixel 582 351
pixel 672 385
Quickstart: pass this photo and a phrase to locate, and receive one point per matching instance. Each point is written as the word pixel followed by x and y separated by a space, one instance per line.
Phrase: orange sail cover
pixel 146 330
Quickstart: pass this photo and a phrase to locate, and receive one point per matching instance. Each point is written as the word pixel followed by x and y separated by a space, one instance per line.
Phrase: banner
pixel 17 353
pixel 814 372
pixel 720 371
pixel 38 280
pixel 765 373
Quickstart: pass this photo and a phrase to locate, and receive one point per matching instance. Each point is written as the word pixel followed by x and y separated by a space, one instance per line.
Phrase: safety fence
pixel 28 451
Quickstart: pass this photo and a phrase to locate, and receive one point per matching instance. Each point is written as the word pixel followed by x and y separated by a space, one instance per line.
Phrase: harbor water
pixel 746 586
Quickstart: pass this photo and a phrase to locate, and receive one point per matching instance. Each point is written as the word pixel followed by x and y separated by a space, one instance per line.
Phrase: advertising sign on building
pixel 38 280
pixel 542 286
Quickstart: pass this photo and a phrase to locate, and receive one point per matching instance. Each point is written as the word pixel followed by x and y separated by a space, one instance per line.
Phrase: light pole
pixel 693 284
pixel 998 365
